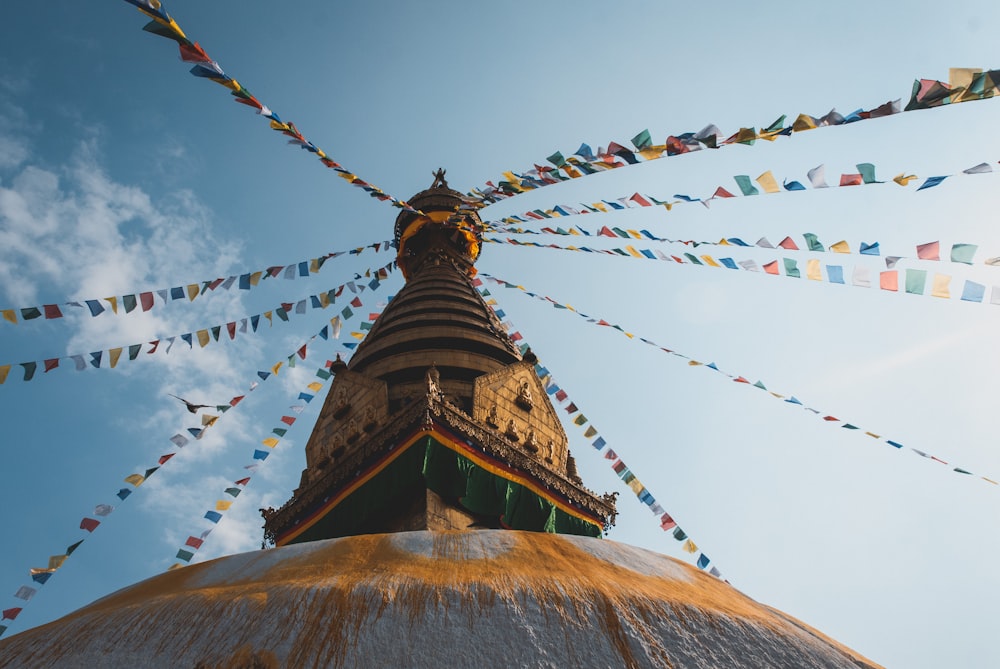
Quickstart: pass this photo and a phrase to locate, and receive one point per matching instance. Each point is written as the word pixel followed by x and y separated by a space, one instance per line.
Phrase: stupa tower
pixel 438 422
pixel 437 425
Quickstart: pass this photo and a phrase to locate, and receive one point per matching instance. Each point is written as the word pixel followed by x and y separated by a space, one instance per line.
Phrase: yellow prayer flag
pixel 270 442
pixel 324 300
pixel 572 171
pixel 278 125
pixel 940 287
pixel 813 271
pixel 114 303
pixel 358 335
pixel 804 122
pixel 961 77
pixel 636 486
pixel 56 561
pixel 9 315
pixel 255 278
pixel 223 505
pixel 600 207
pixel 710 261
pixel 634 253
pixel 268 315
pixel 314 265
pixel 277 366
pixel 574 231
pixel 768 183
pixel 135 479
pixel 4 371
pixel 689 547
pixel 635 234
pixel 694 363
pixel 841 247
pixel 208 420
pixel 176 565
pixel 192 291
pixel 203 338
pixel 724 242
pixel 315 386
pixel 113 355
pixel 652 152
pixel 904 180
pixel 873 435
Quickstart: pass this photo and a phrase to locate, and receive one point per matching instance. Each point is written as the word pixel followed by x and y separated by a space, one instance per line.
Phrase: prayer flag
pixel 817 175
pixel 703 561
pixel 788 243
pixel 889 280
pixel 213 516
pixel 768 183
pixel 973 292
pixel 869 249
pixel 747 188
pixel 771 267
pixel 963 253
pixel 867 171
pixel 813 243
pixel 931 182
pixel 835 273
pixel 915 280
pixel 813 272
pixel 689 547
pixel 929 251
pixel 223 505
pixel 89 524
pixel 941 286
pixel 791 268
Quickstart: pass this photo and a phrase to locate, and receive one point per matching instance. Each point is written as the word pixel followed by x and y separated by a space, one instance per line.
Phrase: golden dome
pixel 431 599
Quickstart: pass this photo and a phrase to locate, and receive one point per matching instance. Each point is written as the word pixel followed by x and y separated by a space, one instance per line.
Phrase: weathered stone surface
pixel 431 599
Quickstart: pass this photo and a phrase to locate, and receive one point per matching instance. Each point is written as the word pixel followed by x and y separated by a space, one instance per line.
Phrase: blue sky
pixel 121 173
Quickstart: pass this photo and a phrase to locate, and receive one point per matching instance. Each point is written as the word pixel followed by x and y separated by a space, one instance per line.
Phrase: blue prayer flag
pixel 244 282
pixel 931 182
pixel 836 273
pixel 793 185
pixel 599 443
pixel 260 455
pixel 728 262
pixel 973 292
pixel 703 561
pixel 869 249
pixel 213 516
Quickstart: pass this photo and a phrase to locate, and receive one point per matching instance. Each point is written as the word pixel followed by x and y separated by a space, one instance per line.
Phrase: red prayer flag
pixel 641 201
pixel 740 379
pixel 604 232
pixel 215 284
pixel 830 418
pixel 146 300
pixel 666 522
pixel 242 481
pixel 155 344
pixel 89 524
pixel 194 542
pixel 851 180
pixel 52 311
pixel 722 192
pixel 771 267
pixel 288 420
pixel 302 352
pixel 231 329
pixel 193 53
pixel 164 458
pixel 51 364
pixel 928 251
pixel 356 302
pixel 889 280
pixel 788 243
pixel 236 400
pixel 11 614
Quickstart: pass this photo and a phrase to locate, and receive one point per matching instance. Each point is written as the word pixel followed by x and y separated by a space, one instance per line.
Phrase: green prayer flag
pixel 743 181
pixel 867 171
pixel 813 242
pixel 347 313
pixel 915 280
pixel 580 420
pixel 642 140
pixel 776 126
pixel 963 253
pixel 184 555
pixel 557 159
pixel 791 268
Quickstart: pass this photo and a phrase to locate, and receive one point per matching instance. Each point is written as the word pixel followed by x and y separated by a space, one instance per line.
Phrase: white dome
pixel 431 599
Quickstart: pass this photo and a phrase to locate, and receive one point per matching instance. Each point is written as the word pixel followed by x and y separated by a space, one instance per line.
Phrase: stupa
pixel 439 521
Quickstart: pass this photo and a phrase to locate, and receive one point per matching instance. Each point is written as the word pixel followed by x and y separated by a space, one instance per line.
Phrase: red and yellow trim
pixel 453 443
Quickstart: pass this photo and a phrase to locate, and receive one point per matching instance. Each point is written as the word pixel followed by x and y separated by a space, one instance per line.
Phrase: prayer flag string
pixel 205 67
pixel 965 84
pixel 125 304
pixel 248 324
pixel 962 253
pixel 560 397
pixel 864 176
pixel 860 276
pixel 40 575
pixel 788 399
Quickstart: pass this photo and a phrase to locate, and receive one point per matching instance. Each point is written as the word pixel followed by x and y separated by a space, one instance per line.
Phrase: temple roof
pixel 432 599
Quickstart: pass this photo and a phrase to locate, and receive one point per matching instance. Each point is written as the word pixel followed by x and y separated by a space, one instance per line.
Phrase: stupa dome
pixel 431 599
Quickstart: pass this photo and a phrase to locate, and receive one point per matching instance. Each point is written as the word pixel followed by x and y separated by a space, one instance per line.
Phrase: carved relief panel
pixel 512 402
pixel 356 405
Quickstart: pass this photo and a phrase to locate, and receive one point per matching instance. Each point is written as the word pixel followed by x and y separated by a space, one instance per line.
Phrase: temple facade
pixel 438 422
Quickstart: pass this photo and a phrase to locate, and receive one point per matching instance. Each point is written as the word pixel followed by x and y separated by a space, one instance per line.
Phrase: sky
pixel 121 173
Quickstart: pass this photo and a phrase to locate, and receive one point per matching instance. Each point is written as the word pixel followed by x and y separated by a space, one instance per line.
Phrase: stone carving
pixel 524 399
pixel 531 442
pixel 340 403
pixel 549 448
pixel 433 380
pixel 492 419
pixel 511 430
pixel 370 419
pixel 439 180
pixel 352 431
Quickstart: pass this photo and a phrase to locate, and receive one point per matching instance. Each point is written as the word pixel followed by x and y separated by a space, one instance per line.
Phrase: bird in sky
pixel 193 408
